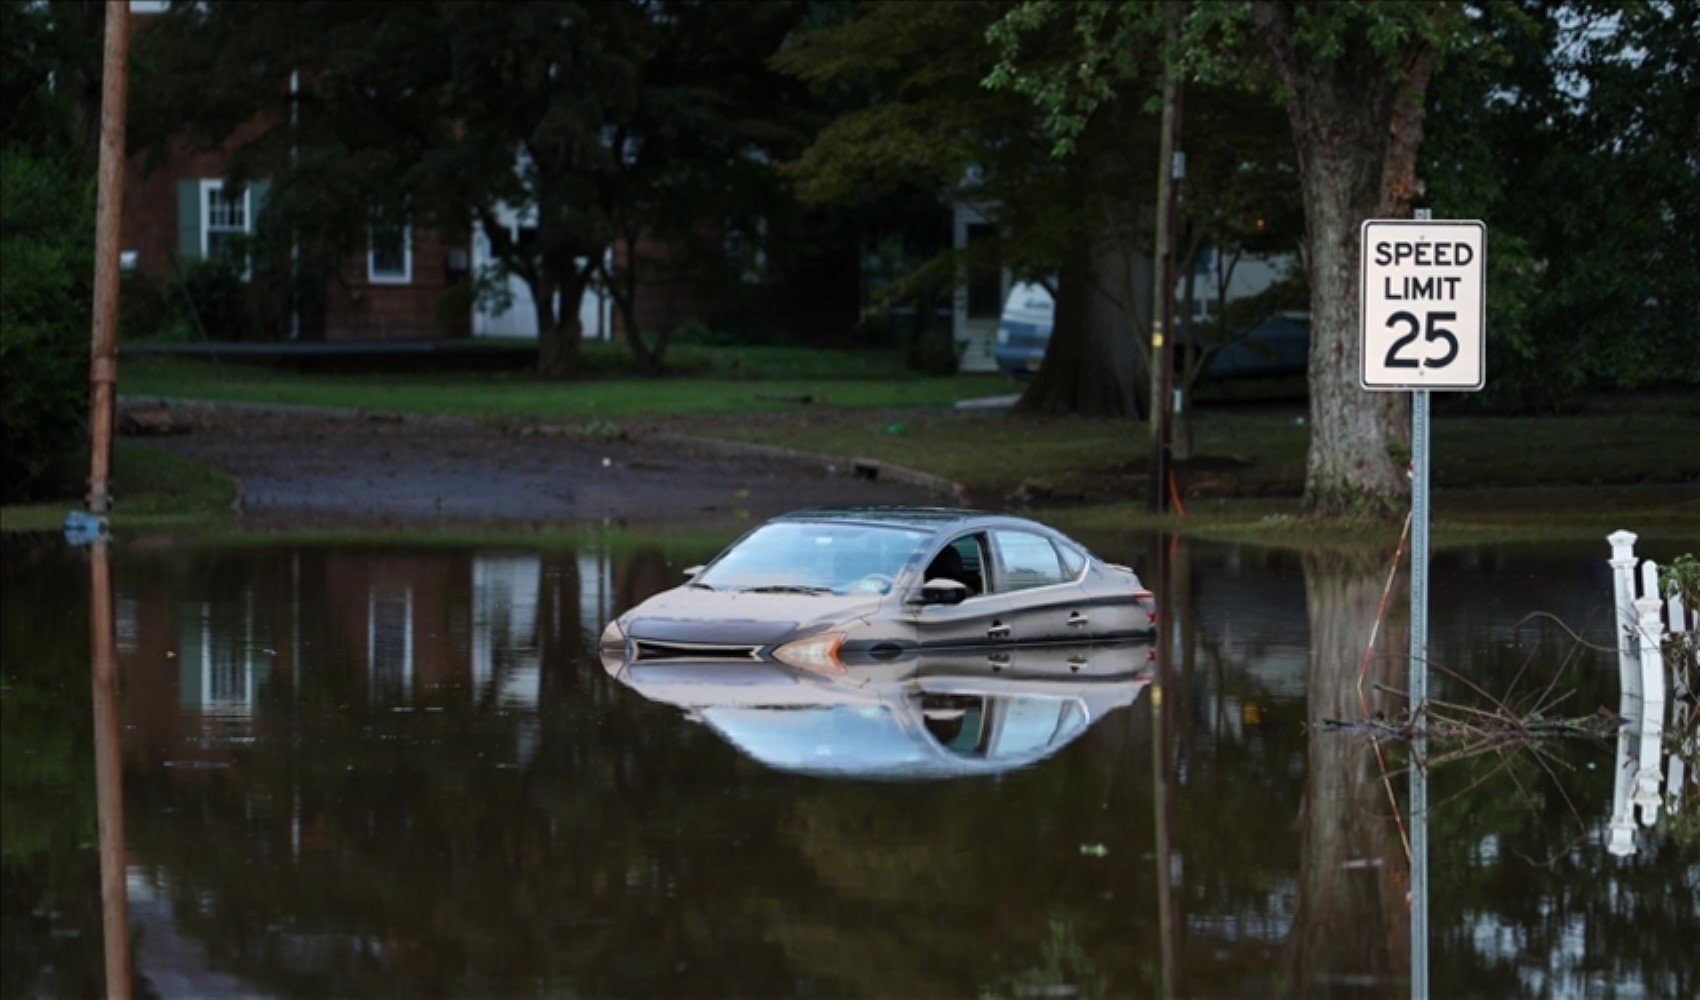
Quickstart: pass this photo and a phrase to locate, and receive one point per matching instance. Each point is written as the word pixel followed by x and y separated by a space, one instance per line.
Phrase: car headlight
pixel 1003 336
pixel 817 653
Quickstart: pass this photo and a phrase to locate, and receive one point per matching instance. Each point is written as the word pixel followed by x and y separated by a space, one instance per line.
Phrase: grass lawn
pixel 708 380
pixel 1543 472
pixel 1249 451
pixel 150 488
pixel 1460 517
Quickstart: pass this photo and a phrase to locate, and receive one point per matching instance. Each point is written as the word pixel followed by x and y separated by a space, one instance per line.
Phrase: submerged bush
pixel 46 262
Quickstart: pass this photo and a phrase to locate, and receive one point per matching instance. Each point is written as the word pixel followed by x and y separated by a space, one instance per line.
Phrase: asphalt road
pixel 337 467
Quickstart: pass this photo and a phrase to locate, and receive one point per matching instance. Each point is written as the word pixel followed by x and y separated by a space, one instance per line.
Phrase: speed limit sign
pixel 1423 322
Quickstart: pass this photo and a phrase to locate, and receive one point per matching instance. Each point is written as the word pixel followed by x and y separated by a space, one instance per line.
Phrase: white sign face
pixel 1423 312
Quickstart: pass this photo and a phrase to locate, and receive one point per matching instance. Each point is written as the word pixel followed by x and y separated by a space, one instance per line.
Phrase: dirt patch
pixel 306 465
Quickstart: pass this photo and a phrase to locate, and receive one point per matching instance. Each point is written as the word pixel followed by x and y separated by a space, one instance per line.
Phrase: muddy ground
pixel 335 467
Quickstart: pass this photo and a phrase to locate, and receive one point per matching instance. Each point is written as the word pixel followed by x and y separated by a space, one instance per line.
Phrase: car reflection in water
pixel 926 715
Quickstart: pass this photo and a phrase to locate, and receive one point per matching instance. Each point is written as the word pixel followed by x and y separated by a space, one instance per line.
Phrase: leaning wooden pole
pixel 1163 274
pixel 103 359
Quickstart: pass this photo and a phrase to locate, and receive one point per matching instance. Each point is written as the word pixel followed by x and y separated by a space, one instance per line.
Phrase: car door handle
pixel 998 631
pixel 1076 620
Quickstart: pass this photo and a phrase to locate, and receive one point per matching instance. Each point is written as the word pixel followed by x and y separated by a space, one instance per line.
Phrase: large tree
pixel 913 116
pixel 1352 76
pixel 593 122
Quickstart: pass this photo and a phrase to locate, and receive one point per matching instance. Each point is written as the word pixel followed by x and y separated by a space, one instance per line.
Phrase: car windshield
pixel 811 557
pixel 828 738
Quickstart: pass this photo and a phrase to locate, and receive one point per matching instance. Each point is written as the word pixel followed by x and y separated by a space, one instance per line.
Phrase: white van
pixel 1024 330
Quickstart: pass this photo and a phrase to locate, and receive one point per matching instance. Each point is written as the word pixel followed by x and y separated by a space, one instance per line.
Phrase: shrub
pixel 934 352
pixel 215 296
pixel 147 314
pixel 46 262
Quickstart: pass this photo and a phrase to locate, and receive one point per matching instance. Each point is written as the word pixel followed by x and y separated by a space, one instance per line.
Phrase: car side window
pixel 1073 560
pixel 963 560
pixel 1026 560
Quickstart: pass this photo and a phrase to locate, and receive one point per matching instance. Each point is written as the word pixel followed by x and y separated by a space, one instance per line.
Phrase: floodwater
pixel 388 770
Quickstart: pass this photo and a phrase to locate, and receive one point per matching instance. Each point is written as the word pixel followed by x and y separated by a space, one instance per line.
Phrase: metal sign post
pixel 1422 327
pixel 1417 686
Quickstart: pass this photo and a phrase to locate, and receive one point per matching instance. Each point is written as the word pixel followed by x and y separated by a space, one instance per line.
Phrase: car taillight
pixel 1148 601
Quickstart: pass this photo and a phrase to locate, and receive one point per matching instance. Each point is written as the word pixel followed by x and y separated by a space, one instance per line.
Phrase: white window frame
pixel 405 276
pixel 208 188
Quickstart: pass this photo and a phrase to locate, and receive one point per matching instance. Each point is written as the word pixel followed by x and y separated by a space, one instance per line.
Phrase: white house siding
pixel 595 311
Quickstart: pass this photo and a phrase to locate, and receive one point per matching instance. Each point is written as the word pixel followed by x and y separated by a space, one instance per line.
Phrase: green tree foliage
pixel 604 124
pixel 46 243
pixel 46 267
pixel 914 118
pixel 47 828
pixel 1575 137
pixel 1351 77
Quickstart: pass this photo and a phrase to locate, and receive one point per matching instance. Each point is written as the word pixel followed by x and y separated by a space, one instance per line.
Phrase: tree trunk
pixel 1356 126
pixel 559 332
pixel 650 358
pixel 1351 922
pixel 1091 367
pixel 623 285
pixel 1359 441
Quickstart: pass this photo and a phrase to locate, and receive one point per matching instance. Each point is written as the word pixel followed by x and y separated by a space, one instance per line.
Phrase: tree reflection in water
pixel 1352 926
pixel 388 770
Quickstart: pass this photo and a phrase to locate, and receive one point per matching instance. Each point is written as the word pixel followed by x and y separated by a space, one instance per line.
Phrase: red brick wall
pixel 356 308
pixel 149 224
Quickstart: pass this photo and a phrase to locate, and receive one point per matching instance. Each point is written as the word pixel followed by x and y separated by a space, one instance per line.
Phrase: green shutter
pixel 188 220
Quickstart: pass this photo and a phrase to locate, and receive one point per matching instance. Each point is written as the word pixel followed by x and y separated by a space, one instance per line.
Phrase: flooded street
pixel 393 770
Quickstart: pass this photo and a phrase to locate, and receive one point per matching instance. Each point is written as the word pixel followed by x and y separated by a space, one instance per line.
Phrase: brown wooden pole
pixel 1163 272
pixel 108 773
pixel 1163 733
pixel 103 360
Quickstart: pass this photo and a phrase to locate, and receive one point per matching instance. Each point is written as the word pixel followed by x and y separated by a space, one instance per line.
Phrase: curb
pixel 299 409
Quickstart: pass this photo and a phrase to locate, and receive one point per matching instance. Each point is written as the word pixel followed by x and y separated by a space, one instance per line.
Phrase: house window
pixel 389 644
pixel 389 257
pixel 226 218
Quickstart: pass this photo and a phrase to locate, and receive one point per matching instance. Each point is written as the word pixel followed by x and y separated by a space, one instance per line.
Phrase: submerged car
pixel 819 589
pixel 932 715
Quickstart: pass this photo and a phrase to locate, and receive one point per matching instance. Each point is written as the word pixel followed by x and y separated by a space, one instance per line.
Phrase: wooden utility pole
pixel 103 360
pixel 108 773
pixel 1163 268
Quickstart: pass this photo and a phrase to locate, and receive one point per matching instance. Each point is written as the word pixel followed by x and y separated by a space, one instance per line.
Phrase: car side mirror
pixel 942 591
pixel 691 572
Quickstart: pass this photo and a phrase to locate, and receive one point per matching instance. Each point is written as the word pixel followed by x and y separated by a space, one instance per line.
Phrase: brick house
pixel 180 211
pixel 413 282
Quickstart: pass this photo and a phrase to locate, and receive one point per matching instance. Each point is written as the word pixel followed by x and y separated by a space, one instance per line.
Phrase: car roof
pixel 929 519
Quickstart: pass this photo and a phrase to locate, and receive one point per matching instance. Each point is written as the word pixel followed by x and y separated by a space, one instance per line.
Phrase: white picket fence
pixel 1644 619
